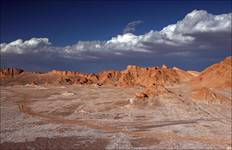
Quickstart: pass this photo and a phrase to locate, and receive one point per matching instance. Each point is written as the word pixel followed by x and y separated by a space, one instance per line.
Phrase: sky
pixel 91 36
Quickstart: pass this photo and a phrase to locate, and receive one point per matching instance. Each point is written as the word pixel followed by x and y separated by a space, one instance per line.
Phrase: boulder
pixel 141 95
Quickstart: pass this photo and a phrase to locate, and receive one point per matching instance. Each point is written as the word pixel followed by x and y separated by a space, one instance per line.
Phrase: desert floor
pixel 106 117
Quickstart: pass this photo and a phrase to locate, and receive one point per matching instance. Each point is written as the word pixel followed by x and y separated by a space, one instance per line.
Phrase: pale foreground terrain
pixel 109 117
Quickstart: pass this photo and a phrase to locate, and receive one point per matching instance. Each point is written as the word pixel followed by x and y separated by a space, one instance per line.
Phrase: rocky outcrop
pixel 140 76
pixel 157 90
pixel 63 73
pixel 141 95
pixel 147 77
pixel 206 95
pixel 10 72
pixel 135 76
pixel 131 76
pixel 153 80
pixel 184 75
pixel 194 73
pixel 216 76
pixel 164 66
pixel 108 77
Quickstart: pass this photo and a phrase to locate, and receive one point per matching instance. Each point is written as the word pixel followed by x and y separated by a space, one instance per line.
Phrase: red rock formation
pixel 63 73
pixel 10 72
pixel 216 76
pixel 140 76
pixel 164 66
pixel 206 95
pixel 141 95
pixel 194 73
pixel 183 75
pixel 157 90
pixel 132 76
pixel 109 77
pixel 153 79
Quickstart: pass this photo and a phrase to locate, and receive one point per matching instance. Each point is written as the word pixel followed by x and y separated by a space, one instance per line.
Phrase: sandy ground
pixel 91 117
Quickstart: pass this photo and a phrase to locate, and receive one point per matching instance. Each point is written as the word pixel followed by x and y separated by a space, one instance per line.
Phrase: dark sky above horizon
pixel 91 36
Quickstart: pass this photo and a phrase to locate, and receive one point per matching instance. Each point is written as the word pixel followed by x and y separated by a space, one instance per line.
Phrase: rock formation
pixel 194 73
pixel 184 75
pixel 106 77
pixel 157 90
pixel 63 73
pixel 153 80
pixel 10 72
pixel 131 76
pixel 206 95
pixel 139 76
pixel 141 95
pixel 216 76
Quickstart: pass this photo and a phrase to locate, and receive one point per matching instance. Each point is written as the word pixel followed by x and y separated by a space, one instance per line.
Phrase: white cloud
pixel 198 30
pixel 126 42
pixel 201 21
pixel 20 47
pixel 182 33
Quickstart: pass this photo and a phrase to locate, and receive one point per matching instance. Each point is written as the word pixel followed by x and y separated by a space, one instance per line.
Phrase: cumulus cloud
pixel 196 32
pixel 131 26
pixel 19 46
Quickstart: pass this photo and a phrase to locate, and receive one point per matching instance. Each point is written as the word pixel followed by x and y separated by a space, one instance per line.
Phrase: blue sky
pixel 65 23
